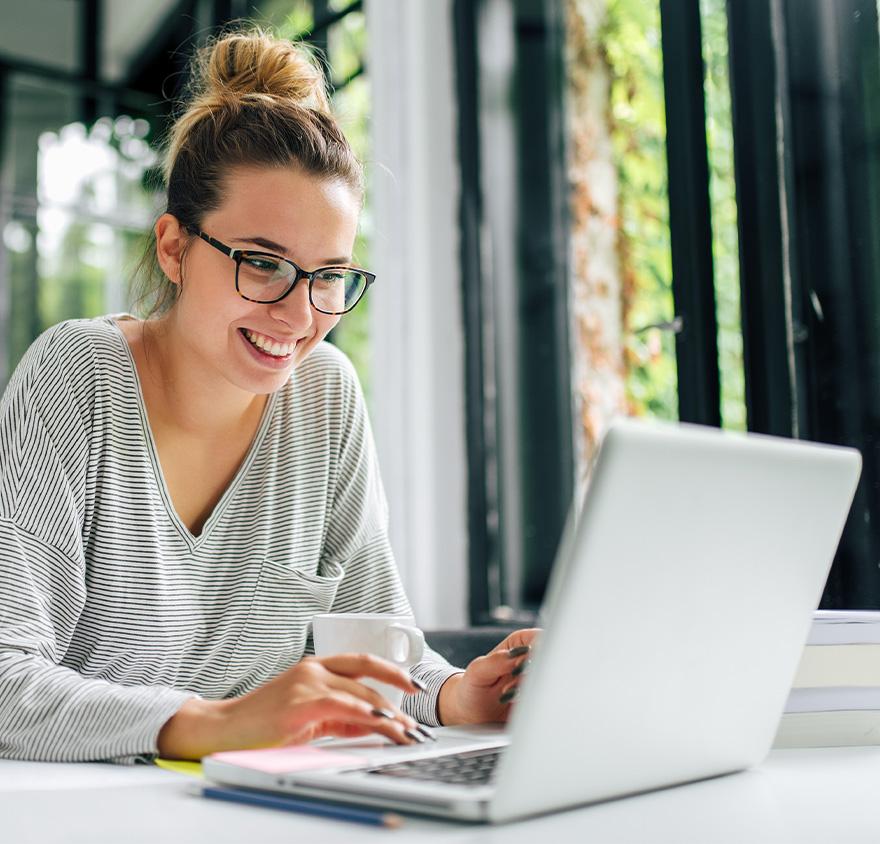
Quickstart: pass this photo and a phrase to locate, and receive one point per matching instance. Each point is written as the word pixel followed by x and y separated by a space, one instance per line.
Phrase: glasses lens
pixel 263 278
pixel 337 290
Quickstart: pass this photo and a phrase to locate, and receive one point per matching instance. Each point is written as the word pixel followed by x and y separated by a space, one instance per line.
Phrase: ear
pixel 170 242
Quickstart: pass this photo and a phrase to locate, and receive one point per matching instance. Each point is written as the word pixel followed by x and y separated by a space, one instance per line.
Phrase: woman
pixel 180 495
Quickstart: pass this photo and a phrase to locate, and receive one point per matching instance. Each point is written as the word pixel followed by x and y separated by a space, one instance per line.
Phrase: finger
pixel 356 666
pixel 342 708
pixel 518 639
pixel 340 729
pixel 509 687
pixel 521 667
pixel 497 665
pixel 385 709
pixel 324 729
pixel 376 700
pixel 509 691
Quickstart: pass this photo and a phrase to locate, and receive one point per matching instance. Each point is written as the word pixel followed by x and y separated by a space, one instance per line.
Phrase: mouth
pixel 267 346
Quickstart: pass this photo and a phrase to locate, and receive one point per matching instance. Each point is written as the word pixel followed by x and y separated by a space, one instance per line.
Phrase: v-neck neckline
pixel 188 536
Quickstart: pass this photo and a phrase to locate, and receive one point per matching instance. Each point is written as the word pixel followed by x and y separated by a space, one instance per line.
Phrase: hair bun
pixel 242 64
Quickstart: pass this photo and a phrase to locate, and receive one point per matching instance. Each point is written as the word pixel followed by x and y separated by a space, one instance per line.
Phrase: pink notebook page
pixel 279 760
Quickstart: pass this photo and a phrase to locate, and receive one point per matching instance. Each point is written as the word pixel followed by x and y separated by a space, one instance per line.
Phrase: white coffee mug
pixel 393 637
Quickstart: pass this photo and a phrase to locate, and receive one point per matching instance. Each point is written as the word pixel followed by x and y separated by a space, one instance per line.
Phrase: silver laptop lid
pixel 676 613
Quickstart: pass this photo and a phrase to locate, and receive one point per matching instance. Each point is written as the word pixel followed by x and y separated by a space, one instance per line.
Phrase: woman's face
pixel 308 219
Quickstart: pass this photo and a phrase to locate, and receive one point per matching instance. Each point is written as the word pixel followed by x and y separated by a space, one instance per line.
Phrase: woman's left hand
pixel 488 686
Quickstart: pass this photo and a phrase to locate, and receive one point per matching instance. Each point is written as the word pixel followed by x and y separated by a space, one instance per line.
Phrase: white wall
pixel 416 318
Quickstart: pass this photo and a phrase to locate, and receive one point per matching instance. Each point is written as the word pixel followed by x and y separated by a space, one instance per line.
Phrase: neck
pixel 192 396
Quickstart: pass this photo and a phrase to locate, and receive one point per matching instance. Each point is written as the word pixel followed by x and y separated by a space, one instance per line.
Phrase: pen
pixel 305 807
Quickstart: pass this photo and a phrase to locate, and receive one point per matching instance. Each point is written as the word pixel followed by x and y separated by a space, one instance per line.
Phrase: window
pixel 716 234
pixel 73 213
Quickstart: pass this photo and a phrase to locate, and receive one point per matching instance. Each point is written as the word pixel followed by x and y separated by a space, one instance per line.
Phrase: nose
pixel 295 309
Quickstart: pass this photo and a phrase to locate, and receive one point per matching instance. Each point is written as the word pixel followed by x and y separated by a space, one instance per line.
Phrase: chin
pixel 260 385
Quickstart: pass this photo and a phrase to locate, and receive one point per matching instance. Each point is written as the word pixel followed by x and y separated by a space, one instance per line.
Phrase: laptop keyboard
pixel 472 768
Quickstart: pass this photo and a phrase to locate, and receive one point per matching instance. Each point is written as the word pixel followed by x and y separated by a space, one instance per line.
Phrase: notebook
pixel 680 600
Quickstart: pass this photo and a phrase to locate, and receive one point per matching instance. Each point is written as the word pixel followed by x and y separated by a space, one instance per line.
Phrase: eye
pixel 331 277
pixel 260 263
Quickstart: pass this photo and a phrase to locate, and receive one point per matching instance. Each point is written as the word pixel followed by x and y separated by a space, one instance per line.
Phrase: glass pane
pixel 632 56
pixel 31 107
pixel 638 127
pixel 725 241
pixel 93 213
pixel 289 18
pixel 79 212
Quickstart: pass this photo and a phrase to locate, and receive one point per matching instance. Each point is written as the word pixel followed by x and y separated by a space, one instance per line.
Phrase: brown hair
pixel 252 99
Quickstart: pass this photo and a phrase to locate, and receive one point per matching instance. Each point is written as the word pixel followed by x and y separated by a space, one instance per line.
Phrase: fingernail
pixel 418 684
pixel 508 696
pixel 414 736
pixel 382 713
pixel 520 668
pixel 426 732
pixel 522 650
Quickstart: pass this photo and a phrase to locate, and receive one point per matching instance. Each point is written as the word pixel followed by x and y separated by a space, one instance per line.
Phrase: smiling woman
pixel 181 494
pixel 211 309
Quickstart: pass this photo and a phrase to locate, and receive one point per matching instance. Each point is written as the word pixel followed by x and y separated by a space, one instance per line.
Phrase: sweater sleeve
pixel 48 711
pixel 357 539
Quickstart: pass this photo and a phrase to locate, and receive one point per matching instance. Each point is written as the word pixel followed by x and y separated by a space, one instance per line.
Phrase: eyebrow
pixel 282 250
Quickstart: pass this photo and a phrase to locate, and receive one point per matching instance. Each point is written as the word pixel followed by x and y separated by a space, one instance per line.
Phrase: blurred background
pixel 576 209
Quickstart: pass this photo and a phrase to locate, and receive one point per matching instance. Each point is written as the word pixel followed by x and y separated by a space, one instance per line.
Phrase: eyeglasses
pixel 266 278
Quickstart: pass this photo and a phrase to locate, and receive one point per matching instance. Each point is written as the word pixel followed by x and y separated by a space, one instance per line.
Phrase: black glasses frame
pixel 238 256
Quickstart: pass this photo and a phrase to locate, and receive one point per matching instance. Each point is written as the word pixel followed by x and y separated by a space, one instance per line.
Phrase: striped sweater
pixel 112 614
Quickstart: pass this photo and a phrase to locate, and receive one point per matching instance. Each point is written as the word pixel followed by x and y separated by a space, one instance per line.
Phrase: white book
pixel 845 627
pixel 837 699
pixel 845 728
pixel 838 665
pixel 843 649
pixel 830 717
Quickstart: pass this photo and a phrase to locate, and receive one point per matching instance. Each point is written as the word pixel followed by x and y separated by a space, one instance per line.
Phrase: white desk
pixel 798 796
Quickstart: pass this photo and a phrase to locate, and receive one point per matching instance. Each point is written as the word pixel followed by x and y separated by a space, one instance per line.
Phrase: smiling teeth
pixel 269 346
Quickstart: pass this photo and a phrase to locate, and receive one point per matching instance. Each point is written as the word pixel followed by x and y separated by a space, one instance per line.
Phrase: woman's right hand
pixel 319 696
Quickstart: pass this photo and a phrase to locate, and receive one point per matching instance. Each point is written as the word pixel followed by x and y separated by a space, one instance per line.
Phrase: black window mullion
pixel 318 36
pixel 91 33
pixel 225 11
pixel 483 506
pixel 545 405
pixel 693 287
pixel 764 224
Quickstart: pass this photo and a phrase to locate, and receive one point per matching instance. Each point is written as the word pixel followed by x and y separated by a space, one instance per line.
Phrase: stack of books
pixel 835 699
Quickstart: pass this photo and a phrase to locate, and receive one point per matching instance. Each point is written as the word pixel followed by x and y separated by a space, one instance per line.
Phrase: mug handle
pixel 404 645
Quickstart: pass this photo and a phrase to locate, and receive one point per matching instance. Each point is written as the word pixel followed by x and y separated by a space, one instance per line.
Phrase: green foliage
pixel 722 191
pixel 287 18
pixel 631 40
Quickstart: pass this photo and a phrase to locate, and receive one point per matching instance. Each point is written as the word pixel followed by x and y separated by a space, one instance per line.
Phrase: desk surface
pixel 795 796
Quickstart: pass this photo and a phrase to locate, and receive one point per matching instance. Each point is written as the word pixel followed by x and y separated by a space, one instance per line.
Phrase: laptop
pixel 680 600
